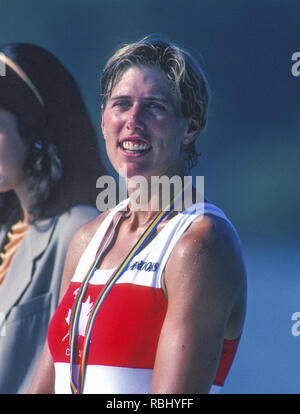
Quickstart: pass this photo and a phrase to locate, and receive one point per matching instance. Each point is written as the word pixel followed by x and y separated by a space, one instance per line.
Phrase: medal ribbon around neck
pixel 77 388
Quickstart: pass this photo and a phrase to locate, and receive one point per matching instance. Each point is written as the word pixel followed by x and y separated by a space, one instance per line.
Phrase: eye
pixel 155 105
pixel 123 104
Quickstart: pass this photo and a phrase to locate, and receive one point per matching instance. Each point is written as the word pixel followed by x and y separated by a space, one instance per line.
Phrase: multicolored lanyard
pixel 77 388
pixel 77 305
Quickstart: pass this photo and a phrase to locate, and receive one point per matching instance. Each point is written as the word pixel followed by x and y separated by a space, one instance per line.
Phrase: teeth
pixel 133 146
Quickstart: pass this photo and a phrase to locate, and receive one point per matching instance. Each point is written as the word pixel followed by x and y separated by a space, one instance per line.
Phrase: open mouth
pixel 135 147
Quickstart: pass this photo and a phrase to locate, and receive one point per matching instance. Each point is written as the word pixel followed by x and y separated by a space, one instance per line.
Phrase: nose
pixel 134 120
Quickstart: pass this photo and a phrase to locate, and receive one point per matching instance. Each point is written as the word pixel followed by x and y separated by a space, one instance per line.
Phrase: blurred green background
pixel 250 150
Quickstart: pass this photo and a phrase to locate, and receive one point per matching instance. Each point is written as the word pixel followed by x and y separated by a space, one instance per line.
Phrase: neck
pixel 23 196
pixel 149 197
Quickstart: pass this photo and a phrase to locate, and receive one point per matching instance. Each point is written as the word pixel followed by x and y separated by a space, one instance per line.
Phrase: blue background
pixel 250 149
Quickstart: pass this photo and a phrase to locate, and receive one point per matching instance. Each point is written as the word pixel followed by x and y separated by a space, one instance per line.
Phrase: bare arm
pixel 44 378
pixel 205 286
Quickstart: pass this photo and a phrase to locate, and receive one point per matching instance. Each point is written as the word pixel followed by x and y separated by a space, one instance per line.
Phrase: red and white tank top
pixel 127 328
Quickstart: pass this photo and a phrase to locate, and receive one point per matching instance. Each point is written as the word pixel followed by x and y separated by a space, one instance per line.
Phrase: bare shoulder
pixel 210 235
pixel 207 262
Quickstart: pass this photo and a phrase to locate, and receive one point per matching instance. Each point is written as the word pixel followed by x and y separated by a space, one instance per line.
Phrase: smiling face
pixel 12 153
pixel 142 126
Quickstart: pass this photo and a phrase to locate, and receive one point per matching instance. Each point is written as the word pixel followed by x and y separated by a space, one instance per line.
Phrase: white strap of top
pixel 185 219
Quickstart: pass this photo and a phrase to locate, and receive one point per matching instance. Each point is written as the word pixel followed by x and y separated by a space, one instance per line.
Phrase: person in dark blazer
pixel 49 164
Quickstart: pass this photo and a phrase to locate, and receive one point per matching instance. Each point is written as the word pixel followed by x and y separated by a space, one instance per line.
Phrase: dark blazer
pixel 29 295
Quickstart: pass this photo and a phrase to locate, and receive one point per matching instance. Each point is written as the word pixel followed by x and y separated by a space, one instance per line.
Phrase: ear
pixel 102 121
pixel 192 131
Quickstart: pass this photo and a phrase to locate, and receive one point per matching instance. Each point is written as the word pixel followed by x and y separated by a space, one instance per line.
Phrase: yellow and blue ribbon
pixel 77 388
